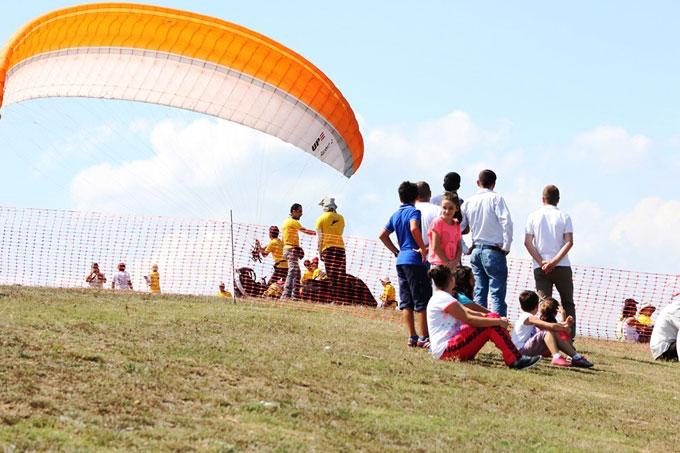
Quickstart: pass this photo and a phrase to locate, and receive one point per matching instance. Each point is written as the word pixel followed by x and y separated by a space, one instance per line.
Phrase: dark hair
pixel 274 231
pixel 487 178
pixel 424 192
pixel 408 192
pixel 528 300
pixel 295 207
pixel 452 182
pixel 462 276
pixel 549 309
pixel 440 275
pixel 551 194
pixel 629 308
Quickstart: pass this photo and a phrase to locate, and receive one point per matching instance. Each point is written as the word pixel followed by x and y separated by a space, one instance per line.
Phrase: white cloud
pixel 612 145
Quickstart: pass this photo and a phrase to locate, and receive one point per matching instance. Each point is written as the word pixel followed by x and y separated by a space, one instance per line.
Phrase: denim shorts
pixel 415 289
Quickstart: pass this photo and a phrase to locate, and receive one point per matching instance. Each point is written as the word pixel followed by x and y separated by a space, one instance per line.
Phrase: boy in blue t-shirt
pixel 414 286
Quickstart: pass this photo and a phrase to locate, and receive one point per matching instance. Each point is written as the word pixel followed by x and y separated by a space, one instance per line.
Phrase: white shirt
pixel 121 280
pixel 428 212
pixel 489 219
pixel 666 330
pixel 441 325
pixel 521 332
pixel 548 225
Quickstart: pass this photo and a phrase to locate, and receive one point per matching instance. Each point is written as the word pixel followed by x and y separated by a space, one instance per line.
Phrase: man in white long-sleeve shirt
pixel 488 217
pixel 665 341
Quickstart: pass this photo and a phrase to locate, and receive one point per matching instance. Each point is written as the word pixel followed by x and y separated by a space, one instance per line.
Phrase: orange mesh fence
pixel 53 248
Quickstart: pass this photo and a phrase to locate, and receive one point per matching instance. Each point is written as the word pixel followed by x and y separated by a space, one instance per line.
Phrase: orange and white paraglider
pixel 184 60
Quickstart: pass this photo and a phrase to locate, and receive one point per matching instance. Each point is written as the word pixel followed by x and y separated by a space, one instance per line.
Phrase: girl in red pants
pixel 457 333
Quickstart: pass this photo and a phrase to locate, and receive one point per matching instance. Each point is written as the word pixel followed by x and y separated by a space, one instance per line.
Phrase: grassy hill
pixel 86 370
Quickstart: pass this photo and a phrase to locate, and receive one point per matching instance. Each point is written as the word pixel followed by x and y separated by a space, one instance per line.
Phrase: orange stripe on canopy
pixel 190 35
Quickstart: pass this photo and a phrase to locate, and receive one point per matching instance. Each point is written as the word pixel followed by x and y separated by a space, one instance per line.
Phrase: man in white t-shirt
pixel 428 211
pixel 121 280
pixel 549 237
pixel 665 341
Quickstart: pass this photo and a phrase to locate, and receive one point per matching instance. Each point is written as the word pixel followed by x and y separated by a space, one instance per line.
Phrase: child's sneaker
pixel 412 342
pixel 560 361
pixel 423 342
pixel 525 362
pixel 582 362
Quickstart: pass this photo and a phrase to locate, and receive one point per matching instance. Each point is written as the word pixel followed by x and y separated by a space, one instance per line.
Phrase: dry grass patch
pixel 86 370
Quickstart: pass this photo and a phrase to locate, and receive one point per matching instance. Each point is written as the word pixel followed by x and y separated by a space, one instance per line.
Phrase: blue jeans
pixel 491 278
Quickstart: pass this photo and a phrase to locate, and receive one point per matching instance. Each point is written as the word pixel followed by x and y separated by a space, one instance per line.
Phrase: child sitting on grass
pixel 533 336
pixel 548 310
pixel 457 333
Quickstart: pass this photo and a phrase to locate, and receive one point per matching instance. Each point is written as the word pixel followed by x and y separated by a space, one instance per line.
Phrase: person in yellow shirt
pixel 330 226
pixel 313 272
pixel 275 248
pixel 388 296
pixel 222 292
pixel 153 280
pixel 292 251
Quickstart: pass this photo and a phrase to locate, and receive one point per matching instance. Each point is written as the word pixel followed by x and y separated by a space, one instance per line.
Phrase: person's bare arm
pixel 309 232
pixel 418 237
pixel 384 236
pixel 459 312
pixel 319 241
pixel 551 326
pixel 529 244
pixel 437 247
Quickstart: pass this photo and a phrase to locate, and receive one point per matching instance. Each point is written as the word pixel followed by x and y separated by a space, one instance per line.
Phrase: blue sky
pixel 584 95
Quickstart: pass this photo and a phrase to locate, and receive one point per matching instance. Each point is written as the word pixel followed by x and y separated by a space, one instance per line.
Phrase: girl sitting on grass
pixel 457 333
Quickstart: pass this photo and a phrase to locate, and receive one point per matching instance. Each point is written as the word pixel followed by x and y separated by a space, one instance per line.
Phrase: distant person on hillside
pixel 121 279
pixel 95 278
pixel 458 333
pixel 388 298
pixel 444 234
pixel 414 286
pixel 275 247
pixel 488 217
pixel 451 184
pixel 665 341
pixel 429 212
pixel 533 336
pixel 628 328
pixel 153 280
pixel 549 236
pixel 222 291
pixel 292 250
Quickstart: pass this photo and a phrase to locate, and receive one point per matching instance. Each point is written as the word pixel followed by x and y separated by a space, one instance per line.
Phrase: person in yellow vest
pixel 275 248
pixel 312 271
pixel 292 251
pixel 153 280
pixel 222 292
pixel 388 297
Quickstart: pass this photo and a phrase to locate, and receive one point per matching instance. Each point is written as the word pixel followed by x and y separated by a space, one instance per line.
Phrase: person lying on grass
pixel 532 335
pixel 458 333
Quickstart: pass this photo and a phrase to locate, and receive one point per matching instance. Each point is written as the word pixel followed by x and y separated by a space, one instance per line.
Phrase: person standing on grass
pixel 95 278
pixel 665 341
pixel 533 336
pixel 458 333
pixel 414 287
pixel 153 280
pixel 488 217
pixel 275 247
pixel 121 280
pixel 291 248
pixel 548 239
pixel 444 234
pixel 429 212
pixel 329 229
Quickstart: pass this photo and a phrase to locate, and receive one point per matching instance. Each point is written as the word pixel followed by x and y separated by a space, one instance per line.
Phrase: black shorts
pixel 415 289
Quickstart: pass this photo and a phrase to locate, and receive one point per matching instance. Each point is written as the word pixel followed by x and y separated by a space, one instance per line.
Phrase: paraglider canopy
pixel 184 60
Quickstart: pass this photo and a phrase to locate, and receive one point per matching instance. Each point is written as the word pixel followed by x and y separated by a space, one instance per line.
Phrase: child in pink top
pixel 445 234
